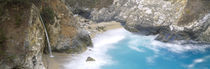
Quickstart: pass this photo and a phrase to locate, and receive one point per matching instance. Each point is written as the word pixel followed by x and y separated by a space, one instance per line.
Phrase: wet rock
pixel 90 59
pixel 100 28
pixel 170 36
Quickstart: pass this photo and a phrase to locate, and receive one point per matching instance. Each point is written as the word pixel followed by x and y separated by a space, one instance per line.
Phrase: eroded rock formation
pixel 23 44
pixel 22 39
pixel 171 19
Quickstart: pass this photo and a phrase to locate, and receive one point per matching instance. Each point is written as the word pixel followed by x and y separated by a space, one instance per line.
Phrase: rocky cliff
pixel 22 37
pixel 65 32
pixel 23 40
pixel 171 19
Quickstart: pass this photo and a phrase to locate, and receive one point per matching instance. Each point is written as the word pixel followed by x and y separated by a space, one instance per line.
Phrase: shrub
pixel 2 37
pixel 48 15
pixel 18 20
pixel 1 11
pixel 15 1
pixel 90 3
pixel 187 11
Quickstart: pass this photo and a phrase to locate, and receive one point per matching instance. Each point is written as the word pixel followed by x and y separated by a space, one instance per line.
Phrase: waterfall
pixel 48 41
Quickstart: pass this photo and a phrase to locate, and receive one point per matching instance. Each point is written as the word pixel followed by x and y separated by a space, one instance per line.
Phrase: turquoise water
pixel 120 49
pixel 143 55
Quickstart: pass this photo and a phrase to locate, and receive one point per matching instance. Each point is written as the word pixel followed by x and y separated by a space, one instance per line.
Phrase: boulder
pixel 90 59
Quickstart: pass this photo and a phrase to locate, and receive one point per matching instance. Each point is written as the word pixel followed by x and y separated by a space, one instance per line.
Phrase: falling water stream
pixel 48 41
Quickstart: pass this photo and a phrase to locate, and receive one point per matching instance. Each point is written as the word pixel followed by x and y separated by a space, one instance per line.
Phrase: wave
pixel 197 61
pixel 107 40
pixel 179 48
pixel 175 47
pixel 102 43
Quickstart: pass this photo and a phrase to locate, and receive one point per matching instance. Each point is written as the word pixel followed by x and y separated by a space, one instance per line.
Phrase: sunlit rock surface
pixel 171 19
pixel 65 32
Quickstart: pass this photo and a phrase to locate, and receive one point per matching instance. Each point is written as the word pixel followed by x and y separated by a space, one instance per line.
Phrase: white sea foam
pixel 105 41
pixel 136 42
pixel 178 48
pixel 151 59
pixel 136 48
pixel 199 60
pixel 150 43
pixel 102 43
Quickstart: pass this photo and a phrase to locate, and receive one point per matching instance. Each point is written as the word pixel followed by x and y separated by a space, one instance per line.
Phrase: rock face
pixel 24 43
pixel 84 7
pixel 65 32
pixel 22 37
pixel 171 19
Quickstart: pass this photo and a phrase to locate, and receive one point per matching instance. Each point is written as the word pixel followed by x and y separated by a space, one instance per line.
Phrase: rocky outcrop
pixel 65 32
pixel 85 7
pixel 192 24
pixel 22 38
pixel 24 43
pixel 90 59
pixel 171 19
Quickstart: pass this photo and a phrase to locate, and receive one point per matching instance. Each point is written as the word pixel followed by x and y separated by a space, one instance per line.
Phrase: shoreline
pixel 60 59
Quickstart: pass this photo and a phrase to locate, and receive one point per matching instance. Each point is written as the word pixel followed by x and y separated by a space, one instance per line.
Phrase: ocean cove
pixel 126 50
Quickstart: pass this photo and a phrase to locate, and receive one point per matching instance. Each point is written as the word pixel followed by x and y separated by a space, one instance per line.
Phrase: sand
pixel 57 61
pixel 106 26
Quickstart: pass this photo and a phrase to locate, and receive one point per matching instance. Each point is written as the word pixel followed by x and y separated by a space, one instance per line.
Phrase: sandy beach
pixel 57 61
pixel 60 59
pixel 95 29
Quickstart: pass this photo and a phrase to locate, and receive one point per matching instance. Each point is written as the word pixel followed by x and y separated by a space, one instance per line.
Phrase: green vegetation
pixel 48 15
pixel 18 20
pixel 90 3
pixel 1 11
pixel 4 4
pixel 2 37
pixel 2 52
pixel 187 11
pixel 15 1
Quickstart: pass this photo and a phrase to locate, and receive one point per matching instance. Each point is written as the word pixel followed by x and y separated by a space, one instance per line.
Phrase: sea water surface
pixel 120 49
